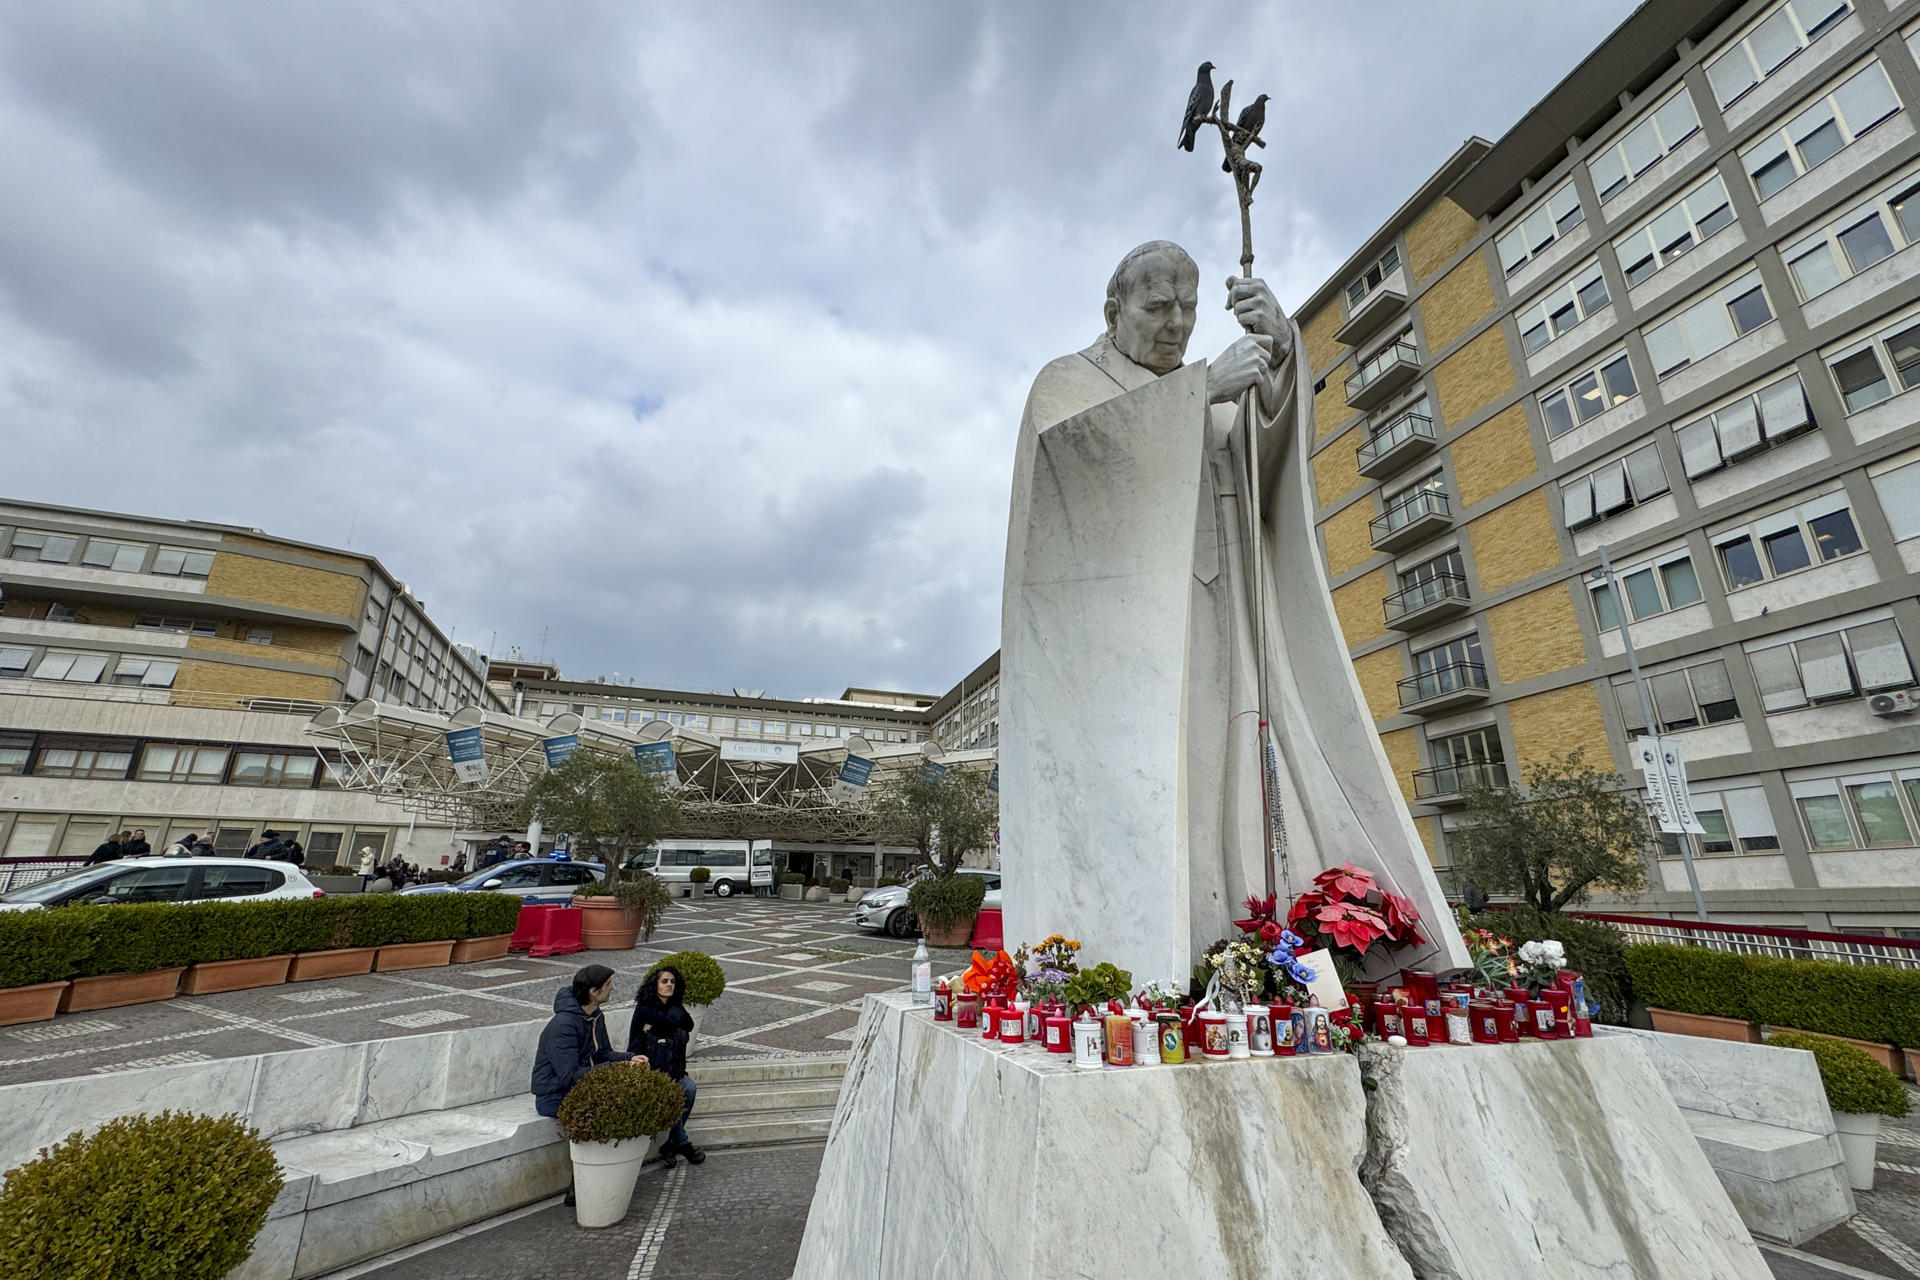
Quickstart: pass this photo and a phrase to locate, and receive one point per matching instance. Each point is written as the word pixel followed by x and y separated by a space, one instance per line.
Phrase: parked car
pixel 734 866
pixel 167 880
pixel 886 910
pixel 541 880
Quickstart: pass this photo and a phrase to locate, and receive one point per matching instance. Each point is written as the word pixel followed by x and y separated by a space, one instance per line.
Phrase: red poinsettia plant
pixel 1347 911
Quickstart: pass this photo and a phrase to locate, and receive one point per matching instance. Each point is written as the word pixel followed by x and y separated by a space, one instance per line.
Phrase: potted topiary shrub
pixel 1860 1091
pixel 702 973
pixel 425 926
pixel 618 914
pixel 946 904
pixel 38 951
pixel 177 1195
pixel 241 945
pixel 698 878
pixel 610 1118
pixel 491 918
pixel 793 886
pixel 338 937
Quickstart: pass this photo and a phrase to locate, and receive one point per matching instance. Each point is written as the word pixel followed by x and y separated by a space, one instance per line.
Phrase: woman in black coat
pixel 661 1028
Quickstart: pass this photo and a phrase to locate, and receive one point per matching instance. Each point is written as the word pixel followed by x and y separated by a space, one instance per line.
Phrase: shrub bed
pixel 1691 980
pixel 1876 1003
pixel 85 941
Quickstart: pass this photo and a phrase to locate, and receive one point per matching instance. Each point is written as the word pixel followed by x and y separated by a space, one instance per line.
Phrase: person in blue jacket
pixel 575 1041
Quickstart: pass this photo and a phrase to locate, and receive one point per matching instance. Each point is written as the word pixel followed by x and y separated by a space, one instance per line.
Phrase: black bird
pixel 1199 106
pixel 1253 118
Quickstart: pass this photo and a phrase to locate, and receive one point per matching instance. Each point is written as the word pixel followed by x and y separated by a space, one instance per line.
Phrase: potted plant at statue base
pixel 610 1119
pixel 616 916
pixel 1860 1091
pixel 946 905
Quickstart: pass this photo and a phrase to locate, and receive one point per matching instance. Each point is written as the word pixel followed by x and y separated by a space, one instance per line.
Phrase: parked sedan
pixel 539 880
pixel 886 908
pixel 167 880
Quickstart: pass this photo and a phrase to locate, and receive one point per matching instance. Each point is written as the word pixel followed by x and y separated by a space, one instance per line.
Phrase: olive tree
pixel 607 803
pixel 1567 829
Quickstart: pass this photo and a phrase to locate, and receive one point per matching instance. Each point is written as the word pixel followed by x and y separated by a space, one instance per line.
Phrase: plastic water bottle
pixel 922 975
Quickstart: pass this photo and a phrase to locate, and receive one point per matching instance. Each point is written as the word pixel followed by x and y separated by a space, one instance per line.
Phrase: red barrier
pixel 526 929
pixel 559 932
pixel 987 931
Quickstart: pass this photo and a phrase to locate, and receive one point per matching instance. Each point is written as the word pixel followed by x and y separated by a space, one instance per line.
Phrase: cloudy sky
pixel 692 337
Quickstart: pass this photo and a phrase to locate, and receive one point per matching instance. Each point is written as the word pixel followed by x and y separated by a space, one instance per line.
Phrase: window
pixel 323 848
pixel 73 668
pixel 1674 230
pixel 1788 541
pixel 1744 426
pixel 1650 589
pixel 1859 238
pixel 1836 118
pixel 246 881
pixel 1614 487
pixel 1476 746
pixel 1831 666
pixel 182 562
pixel 1433 580
pixel 1641 147
pixel 1564 306
pixel 167 763
pixel 150 884
pixel 1737 820
pixel 46 548
pixel 1870 811
pixel 185 626
pixel 1879 367
pixel 65 762
pixel 777 726
pixel 1685 699
pixel 259 635
pixel 1708 324
pixel 151 673
pixel 1370 279
pixel 1588 395
pixel 1770 44
pixel 123 557
pixel 1400 349
pixel 273 769
pixel 14 662
pixel 749 726
pixel 1548 221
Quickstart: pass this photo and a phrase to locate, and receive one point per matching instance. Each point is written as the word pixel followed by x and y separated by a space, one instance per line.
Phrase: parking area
pixel 796 973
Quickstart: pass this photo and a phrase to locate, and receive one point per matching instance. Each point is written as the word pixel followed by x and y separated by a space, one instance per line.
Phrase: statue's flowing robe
pixel 1131 807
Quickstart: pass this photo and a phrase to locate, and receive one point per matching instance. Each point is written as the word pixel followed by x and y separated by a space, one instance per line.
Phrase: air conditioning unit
pixel 1899 702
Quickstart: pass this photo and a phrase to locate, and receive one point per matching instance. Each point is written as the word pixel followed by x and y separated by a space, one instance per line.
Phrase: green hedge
pixel 1860 1001
pixel 85 941
pixel 1595 951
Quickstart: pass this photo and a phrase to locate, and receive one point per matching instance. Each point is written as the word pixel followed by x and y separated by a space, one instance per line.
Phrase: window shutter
pixel 1632 719
pixel 1778 677
pixel 1649 477
pixel 1879 656
pixel 1610 488
pixel 1672 699
pixel 1576 500
pixel 1739 428
pixel 1823 667
pixel 1711 683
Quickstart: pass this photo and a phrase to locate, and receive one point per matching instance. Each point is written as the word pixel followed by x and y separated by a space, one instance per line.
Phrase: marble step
pixel 760 1128
pixel 745 1071
pixel 737 1099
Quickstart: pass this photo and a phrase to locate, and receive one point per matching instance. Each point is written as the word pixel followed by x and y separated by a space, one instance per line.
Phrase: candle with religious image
pixel 1173 1039
pixel 1284 1043
pixel 1088 1051
pixel 1259 1031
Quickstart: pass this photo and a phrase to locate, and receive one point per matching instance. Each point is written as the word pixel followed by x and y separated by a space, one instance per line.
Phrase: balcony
pixel 1388 370
pixel 1372 312
pixel 1448 784
pixel 1411 519
pixel 1458 684
pixel 1440 597
pixel 1409 436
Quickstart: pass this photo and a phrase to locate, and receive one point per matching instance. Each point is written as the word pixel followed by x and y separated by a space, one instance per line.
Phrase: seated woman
pixel 575 1041
pixel 661 1028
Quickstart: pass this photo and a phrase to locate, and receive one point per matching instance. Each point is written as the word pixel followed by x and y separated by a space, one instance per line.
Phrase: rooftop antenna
pixel 543 642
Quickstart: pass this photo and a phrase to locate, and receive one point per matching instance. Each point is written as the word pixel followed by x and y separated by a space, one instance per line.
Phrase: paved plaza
pixel 796 973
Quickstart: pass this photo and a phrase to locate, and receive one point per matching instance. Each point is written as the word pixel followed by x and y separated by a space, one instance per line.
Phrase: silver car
pixel 886 910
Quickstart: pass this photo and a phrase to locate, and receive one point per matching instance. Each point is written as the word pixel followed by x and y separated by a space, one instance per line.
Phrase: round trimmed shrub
pixel 175 1196
pixel 618 1101
pixel 1853 1080
pixel 699 875
pixel 701 971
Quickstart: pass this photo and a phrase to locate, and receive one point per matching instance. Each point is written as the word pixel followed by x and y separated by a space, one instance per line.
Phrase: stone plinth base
pixel 954 1157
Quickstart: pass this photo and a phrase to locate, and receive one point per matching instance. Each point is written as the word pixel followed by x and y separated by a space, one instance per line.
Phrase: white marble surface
pixel 1564 1160
pixel 1732 1078
pixel 307 1090
pixel 404 1075
pixel 953 1157
pixel 40 1114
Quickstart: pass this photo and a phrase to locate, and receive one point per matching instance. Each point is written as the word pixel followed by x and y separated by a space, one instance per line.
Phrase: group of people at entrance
pixel 575 1042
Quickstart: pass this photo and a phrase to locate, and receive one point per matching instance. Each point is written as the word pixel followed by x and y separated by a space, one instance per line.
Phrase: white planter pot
pixel 1859 1135
pixel 603 1178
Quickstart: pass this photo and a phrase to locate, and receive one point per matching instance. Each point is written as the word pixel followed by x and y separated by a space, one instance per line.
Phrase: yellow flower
pixel 1074 943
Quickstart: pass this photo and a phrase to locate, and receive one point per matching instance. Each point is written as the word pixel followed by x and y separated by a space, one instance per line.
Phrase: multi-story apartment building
pixel 1673 315
pixel 156 674
pixel 967 717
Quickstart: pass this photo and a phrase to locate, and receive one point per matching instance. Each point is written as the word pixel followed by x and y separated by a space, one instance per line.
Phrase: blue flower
pixel 1301 973
pixel 1292 939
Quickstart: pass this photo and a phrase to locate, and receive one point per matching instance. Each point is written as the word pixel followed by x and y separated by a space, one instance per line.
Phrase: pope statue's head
pixel 1151 305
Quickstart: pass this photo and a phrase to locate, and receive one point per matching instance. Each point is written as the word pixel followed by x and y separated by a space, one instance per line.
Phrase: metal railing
pixel 1386 358
pixel 1452 678
pixel 1442 586
pixel 1765 940
pixel 202 699
pixel 18 873
pixel 1403 512
pixel 1453 779
pixel 1396 433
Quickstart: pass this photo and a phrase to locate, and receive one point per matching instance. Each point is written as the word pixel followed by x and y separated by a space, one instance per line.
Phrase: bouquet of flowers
pixel 1539 962
pixel 1493 963
pixel 1348 913
pixel 1280 945
pixel 1047 968
pixel 1164 996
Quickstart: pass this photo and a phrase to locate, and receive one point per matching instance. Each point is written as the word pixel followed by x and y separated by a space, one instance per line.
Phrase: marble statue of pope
pixel 1131 798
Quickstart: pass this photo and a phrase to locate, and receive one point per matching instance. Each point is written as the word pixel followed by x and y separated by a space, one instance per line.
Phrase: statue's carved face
pixel 1154 316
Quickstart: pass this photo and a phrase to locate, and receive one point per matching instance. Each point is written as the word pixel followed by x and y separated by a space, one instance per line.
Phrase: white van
pixel 736 866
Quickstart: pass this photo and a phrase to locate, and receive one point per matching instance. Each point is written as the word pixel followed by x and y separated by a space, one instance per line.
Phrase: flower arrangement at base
pixel 1349 914
pixel 1047 967
pixel 1540 963
pixel 1093 988
pixel 1492 953
pixel 1166 997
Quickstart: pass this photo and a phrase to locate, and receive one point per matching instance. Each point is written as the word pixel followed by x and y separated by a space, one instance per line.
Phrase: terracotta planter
pixel 605 925
pixel 1704 1026
pixel 36 1003
pixel 413 955
pixel 958 936
pixel 1884 1054
pixel 210 976
pixel 347 962
pixel 111 990
pixel 468 950
pixel 1913 1064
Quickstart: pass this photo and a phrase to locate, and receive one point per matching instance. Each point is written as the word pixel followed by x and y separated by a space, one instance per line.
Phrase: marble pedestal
pixel 954 1157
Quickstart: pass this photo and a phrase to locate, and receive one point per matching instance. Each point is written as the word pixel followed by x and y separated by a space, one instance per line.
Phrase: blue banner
pixel 469 754
pixel 656 758
pixel 993 785
pixel 558 749
pixel 932 771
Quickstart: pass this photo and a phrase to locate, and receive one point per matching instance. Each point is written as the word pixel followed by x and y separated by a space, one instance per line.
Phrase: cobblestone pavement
pixel 739 1216
pixel 1884 1236
pixel 796 973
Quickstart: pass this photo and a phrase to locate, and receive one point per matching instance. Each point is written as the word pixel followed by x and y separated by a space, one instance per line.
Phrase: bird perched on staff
pixel 1253 117
pixel 1199 106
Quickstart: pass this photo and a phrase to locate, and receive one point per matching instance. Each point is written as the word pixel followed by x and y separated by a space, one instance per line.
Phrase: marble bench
pixel 1761 1118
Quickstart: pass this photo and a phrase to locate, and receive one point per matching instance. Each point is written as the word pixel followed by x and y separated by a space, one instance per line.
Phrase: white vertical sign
pixel 1665 770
